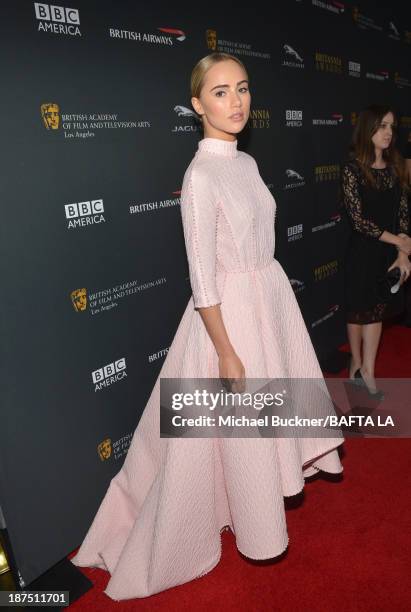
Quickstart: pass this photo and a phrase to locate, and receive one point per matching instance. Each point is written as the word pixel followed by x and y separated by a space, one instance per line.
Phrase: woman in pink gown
pixel 160 521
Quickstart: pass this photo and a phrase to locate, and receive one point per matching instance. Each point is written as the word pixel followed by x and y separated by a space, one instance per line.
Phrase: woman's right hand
pixel 403 263
pixel 405 244
pixel 232 372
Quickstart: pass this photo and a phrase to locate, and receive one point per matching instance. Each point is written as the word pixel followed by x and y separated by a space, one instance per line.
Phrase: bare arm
pixel 390 238
pixel 402 241
pixel 213 321
pixel 230 365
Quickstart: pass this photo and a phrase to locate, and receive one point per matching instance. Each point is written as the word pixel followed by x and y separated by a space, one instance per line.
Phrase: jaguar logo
pixel 290 51
pixel 293 174
pixel 183 111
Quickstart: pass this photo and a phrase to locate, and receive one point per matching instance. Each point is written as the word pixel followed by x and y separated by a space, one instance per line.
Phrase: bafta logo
pixel 355 13
pixel 211 36
pixel 50 114
pixel 104 449
pixel 354 118
pixel 79 299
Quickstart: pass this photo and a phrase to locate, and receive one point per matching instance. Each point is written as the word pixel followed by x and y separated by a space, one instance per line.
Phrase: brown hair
pixel 362 148
pixel 204 65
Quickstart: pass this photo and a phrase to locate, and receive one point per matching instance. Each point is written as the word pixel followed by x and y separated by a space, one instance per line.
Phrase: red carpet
pixel 349 541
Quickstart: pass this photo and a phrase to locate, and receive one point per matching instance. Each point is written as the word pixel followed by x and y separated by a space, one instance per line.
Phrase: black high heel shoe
pixel 377 395
pixel 353 381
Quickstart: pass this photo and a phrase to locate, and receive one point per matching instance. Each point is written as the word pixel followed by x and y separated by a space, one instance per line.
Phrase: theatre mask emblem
pixel 104 449
pixel 211 36
pixel 79 299
pixel 51 116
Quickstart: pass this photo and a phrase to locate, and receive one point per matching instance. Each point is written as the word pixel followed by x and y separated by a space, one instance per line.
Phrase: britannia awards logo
pixel 259 118
pixel 329 172
pixel 57 19
pixel 328 63
pixel 326 270
pixel 405 122
pixel 79 299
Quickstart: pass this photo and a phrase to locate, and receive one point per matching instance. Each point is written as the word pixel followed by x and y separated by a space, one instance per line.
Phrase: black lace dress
pixel 370 211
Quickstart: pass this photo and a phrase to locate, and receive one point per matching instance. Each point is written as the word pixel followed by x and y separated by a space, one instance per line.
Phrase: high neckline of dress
pixel 217 146
pixel 371 168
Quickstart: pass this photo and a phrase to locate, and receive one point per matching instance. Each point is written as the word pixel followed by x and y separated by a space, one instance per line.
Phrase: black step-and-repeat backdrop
pixel 97 131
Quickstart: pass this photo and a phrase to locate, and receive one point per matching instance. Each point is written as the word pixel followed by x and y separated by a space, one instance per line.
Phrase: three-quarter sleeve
pixel 199 212
pixel 353 205
pixel 404 214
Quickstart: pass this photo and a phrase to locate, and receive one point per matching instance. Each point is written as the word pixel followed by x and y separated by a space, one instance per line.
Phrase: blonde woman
pixel 160 522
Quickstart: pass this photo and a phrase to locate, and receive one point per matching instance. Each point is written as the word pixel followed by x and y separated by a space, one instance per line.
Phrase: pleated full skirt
pixel 159 524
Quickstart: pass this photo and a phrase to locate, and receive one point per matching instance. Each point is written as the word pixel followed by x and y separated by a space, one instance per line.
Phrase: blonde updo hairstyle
pixel 203 66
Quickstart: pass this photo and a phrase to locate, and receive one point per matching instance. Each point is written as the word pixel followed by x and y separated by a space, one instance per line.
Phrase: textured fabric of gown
pixel 371 210
pixel 160 521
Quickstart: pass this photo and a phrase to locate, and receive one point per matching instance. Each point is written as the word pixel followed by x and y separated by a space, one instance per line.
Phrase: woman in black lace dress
pixel 408 157
pixel 407 318
pixel 374 186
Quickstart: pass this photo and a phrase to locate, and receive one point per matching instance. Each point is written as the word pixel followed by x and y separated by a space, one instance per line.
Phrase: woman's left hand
pixel 403 263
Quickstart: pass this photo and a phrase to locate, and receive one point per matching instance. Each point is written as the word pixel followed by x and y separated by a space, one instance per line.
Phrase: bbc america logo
pixel 293 118
pixel 109 374
pixel 84 213
pixel 57 19
pixel 295 232
pixel 354 69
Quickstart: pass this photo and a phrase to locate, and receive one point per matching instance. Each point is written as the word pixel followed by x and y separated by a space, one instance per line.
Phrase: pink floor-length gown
pixel 159 524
